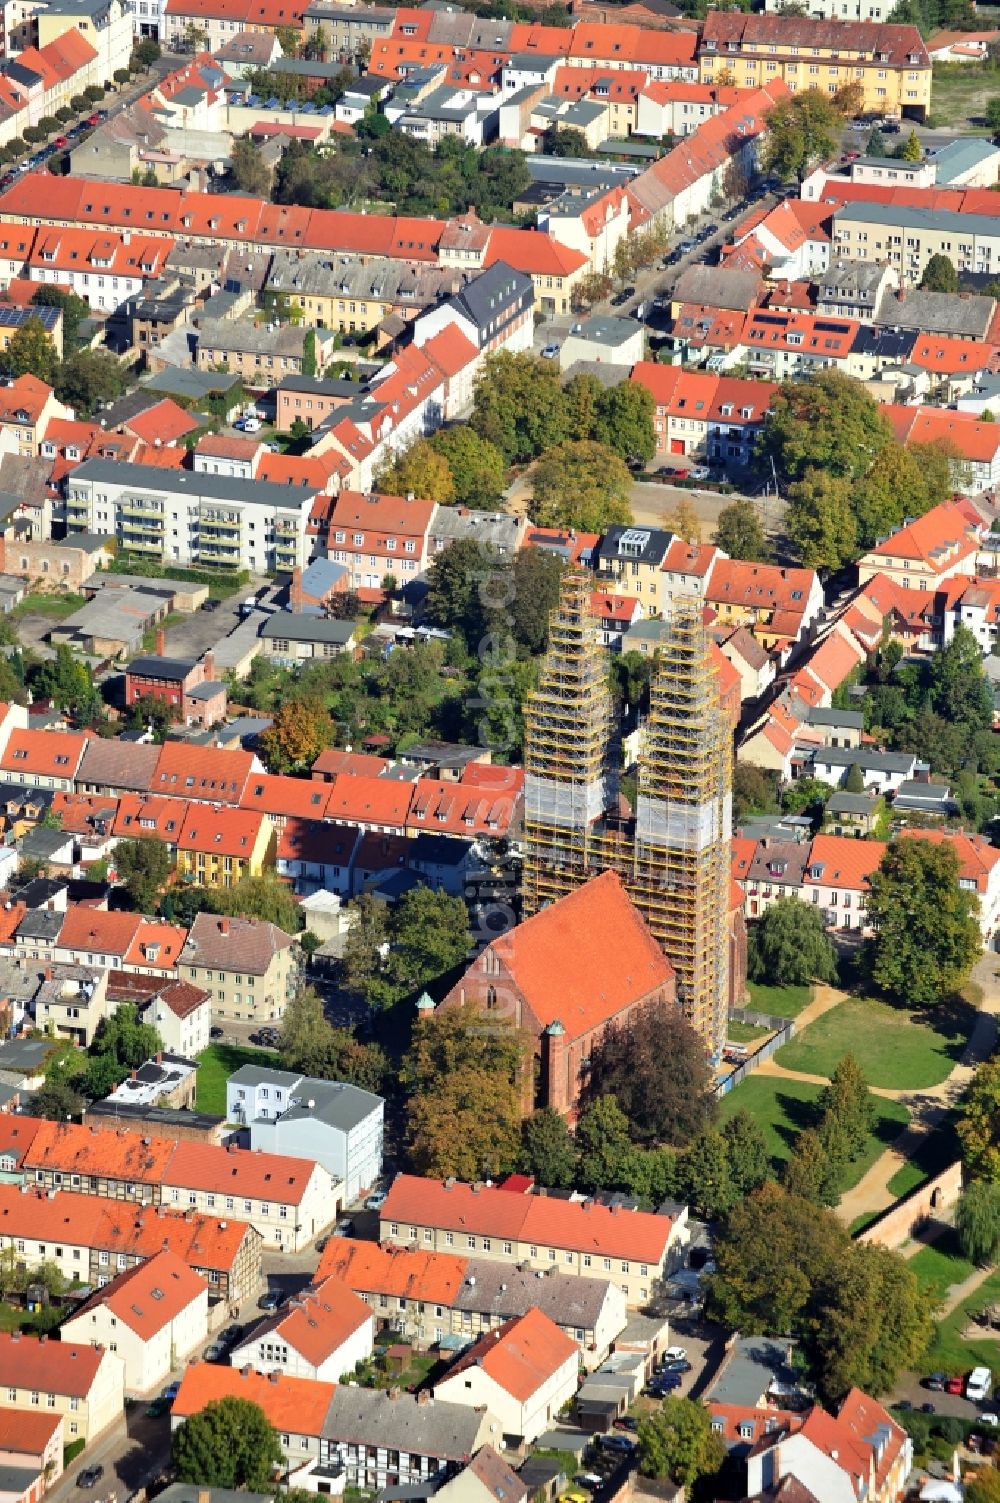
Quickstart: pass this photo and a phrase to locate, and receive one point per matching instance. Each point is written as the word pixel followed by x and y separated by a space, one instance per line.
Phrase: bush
pixel 93 93
pixel 72 1451
pixel 64 113
pixel 33 134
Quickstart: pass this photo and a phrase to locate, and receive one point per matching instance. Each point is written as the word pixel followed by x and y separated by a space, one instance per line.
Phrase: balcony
pixel 219 552
pixel 141 509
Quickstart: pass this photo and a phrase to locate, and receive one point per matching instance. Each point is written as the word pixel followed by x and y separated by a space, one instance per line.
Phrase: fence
pixel 903 1218
pixel 783 1028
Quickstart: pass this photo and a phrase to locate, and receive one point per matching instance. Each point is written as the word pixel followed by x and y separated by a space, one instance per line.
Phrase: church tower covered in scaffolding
pixel 673 852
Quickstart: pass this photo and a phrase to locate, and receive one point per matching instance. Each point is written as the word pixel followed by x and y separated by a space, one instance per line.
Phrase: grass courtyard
pixel 215 1065
pixel 897 1049
pixel 940 1266
pixel 959 96
pixel 58 607
pixel 783 1108
pixel 778 1001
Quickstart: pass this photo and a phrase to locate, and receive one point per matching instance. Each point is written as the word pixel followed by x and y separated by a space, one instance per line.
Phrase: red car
pixel 955 1385
pixel 61 141
pixel 680 474
pixel 93 119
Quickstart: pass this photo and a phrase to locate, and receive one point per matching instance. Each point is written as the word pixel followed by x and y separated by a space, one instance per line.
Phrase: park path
pixel 929 1106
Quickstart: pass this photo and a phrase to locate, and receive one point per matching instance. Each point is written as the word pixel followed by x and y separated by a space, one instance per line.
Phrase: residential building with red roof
pixel 139 816
pixel 218 847
pixel 777 604
pixel 125 941
pixel 616 614
pixel 321 1333
pixel 791 240
pixel 210 774
pixel 379 805
pixel 104 268
pixel 295 1407
pixel 632 1249
pixel 554 977
pixel 524 1373
pixel 924 552
pixel 164 423
pixel 316 856
pixel 836 878
pixel 152 1316
pixel 890 62
pixel 859 1453
pixel 975 442
pixel 89 1238
pixel 392 529
pixel 430 1295
pixel 43 759
pixel 289 1200
pixel 83 1383
pixel 449 808
pixel 33 1440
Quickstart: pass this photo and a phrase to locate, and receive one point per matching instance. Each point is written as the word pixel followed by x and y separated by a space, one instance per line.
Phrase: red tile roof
pixel 320 1319
pixel 270 1177
pixel 164 422
pixel 53 753
pixel 937 540
pixel 400 1272
pixel 282 796
pixel 148 1297
pixel 221 832
pixel 535 1219
pixel 520 1356
pixel 296 1405
pixel 26 1430
pixel 209 773
pixel 560 960
pixel 370 801
pixel 846 862
pixel 39 1363
pixel 139 817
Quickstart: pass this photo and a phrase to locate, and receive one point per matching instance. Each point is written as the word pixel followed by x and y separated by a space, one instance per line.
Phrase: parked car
pixel 680 1366
pixel 248 425
pixel 928 1408
pixel 210 605
pixel 93 120
pixel 551 352
pixel 989 1418
pixel 620 298
pixel 617 1443
pixel 675 1354
pixel 344 1228
pixel 979 1384
pixel 589 1479
pixel 686 247
pixel 936 1382
pixel 230 1335
pixel 700 472
pixel 270 1300
pixel 60 142
pixel 377 1201
pixel 677 475
pixel 955 1385
pixel 90 1476
pixel 215 1032
pixel 890 128
pixel 213 1352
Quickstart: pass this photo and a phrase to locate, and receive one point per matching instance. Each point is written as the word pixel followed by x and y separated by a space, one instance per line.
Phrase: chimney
pixel 48 973
pixel 161 643
pixel 159 1056
pixel 209 667
pixel 295 591
pixel 223 926
pixel 204 1496
pixel 424 1396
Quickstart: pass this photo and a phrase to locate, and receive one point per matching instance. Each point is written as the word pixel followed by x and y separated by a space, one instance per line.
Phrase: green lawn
pixel 896 1048
pixel 948 1351
pixel 939 1266
pixel 56 606
pixel 215 1065
pixel 779 1001
pixel 745 1033
pixel 784 1107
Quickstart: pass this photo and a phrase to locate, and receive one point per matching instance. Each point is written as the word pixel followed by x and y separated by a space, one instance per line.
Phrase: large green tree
pixel 677 1441
pixel 228 1444
pixel 582 485
pixel 926 927
pixel 827 422
pixel 820 519
pixel 848 1099
pixel 656 1067
pixel 477 467
pixel 978 1124
pixel 89 380
pixel 264 897
pixel 419 468
pixel 940 274
pixel 300 729
pixel 311 1045
pixel 740 532
pixel 977 1222
pixel 144 866
pixel 548 1151
pixel 789 945
pixel 464 1080
pixel 31 352
pixel 519 405
pixel 802 130
pixel 623 421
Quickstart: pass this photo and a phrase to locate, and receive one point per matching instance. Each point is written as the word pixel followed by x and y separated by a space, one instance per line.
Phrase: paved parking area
pixel 200 631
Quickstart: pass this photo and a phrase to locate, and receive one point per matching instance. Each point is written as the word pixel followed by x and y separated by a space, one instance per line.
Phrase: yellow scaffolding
pixel 674 853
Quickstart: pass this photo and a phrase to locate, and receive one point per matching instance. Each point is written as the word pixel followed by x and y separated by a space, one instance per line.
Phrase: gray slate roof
pixel 505 1292
pixel 367 1416
pixel 297 628
pixel 953 313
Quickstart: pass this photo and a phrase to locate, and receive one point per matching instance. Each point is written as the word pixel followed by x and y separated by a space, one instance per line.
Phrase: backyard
pixel 897 1048
pixel 215 1065
pixel 56 607
pixel 784 1107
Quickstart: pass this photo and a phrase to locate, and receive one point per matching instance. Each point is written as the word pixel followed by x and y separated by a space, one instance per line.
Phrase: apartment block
pixel 186 518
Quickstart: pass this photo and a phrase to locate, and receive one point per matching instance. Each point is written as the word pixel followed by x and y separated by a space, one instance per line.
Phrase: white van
pixel 978 1384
